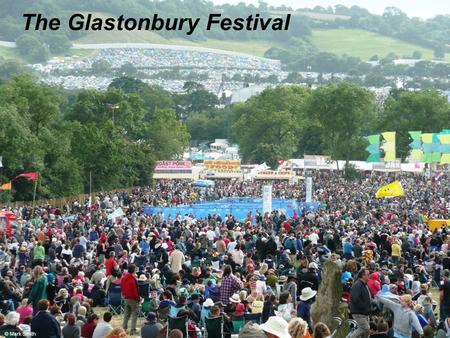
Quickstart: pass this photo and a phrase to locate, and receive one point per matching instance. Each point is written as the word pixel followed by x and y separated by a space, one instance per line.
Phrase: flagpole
pixel 90 199
pixel 34 194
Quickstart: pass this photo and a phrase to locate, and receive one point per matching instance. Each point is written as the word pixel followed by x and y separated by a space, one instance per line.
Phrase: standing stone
pixel 328 297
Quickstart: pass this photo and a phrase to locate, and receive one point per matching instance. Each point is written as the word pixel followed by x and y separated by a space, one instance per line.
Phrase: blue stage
pixel 238 207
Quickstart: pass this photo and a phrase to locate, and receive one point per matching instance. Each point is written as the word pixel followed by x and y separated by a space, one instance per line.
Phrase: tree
pixel 58 43
pixel 439 51
pixel 37 103
pixel 343 110
pixel 31 48
pixel 417 55
pixel 267 126
pixel 153 97
pixel 426 111
pixel 166 136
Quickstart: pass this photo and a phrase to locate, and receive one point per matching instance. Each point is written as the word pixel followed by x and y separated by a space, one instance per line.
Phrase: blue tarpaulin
pixel 238 207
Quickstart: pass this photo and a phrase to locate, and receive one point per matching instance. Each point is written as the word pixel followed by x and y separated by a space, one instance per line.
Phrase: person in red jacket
pixel 374 283
pixel 110 263
pixel 87 330
pixel 130 294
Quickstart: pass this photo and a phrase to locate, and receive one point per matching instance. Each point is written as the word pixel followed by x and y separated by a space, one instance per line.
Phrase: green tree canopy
pixel 343 110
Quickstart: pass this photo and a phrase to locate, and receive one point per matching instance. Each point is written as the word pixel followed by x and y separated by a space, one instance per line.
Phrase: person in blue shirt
pixel 347 249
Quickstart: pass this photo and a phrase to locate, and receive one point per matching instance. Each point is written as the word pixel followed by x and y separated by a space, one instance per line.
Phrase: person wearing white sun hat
pixel 304 306
pixel 276 327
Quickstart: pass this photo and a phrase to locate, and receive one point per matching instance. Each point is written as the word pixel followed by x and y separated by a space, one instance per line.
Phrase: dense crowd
pixel 62 267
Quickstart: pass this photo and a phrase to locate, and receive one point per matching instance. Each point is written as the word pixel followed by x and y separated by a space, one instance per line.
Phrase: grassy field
pixel 364 44
pixel 315 15
pixel 255 47
pixel 8 53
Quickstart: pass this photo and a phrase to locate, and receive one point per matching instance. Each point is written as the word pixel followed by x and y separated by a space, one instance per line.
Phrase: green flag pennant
pixel 415 135
pixel 374 158
pixel 436 157
pixel 374 139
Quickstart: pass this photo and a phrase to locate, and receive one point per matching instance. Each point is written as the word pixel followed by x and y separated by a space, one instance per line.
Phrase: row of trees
pixel 287 122
pixel 115 135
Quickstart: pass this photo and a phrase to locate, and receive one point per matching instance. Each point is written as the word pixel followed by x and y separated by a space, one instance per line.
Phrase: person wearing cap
pixel 310 278
pixel 276 327
pixel 307 298
pixel 151 328
pixel 360 304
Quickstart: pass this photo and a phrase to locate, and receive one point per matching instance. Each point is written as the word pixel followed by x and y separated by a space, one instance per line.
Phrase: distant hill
pixel 317 15
pixel 364 44
pixel 352 42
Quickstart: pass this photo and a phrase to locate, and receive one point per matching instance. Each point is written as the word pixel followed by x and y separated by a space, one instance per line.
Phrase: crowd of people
pixel 211 67
pixel 61 268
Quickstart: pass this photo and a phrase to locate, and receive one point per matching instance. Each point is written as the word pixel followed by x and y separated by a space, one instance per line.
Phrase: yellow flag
pixel 445 139
pixel 389 136
pixel 393 189
pixel 427 138
pixel 445 159
pixel 5 186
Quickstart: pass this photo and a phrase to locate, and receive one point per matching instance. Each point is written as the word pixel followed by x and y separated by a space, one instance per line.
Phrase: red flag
pixel 280 162
pixel 29 176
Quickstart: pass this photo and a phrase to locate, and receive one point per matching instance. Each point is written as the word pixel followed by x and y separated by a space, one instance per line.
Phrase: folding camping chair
pixel 214 327
pixel 180 323
pixel 238 324
pixel 252 317
pixel 115 305
pixel 163 314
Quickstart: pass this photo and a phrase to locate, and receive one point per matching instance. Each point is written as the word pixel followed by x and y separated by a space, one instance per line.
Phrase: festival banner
pixel 173 165
pixel 308 189
pixel 267 198
pixel 389 146
pixel 416 152
pixel 444 137
pixel 229 165
pixel 33 176
pixel 373 148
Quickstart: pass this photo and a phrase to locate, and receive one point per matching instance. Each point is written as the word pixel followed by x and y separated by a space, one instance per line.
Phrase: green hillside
pixel 364 44
pixel 8 53
pixel 315 15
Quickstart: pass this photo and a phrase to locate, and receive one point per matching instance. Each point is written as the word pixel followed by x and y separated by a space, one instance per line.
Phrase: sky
pixel 420 8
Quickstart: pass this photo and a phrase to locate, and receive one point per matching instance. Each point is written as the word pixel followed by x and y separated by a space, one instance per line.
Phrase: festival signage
pixel 218 165
pixel 273 175
pixel 309 189
pixel 267 198
pixel 173 165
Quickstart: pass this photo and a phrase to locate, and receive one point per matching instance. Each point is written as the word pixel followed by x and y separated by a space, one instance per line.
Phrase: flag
pixel 33 176
pixel 393 189
pixel 5 186
pixel 438 176
pixel 1 161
